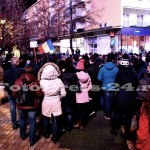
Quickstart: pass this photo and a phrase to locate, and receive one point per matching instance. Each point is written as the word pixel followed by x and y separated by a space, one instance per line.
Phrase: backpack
pixel 25 96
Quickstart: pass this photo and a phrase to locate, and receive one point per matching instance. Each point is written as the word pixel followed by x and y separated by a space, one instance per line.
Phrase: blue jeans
pixel 13 114
pixel 31 116
pixel 106 102
pixel 56 125
pixel 68 122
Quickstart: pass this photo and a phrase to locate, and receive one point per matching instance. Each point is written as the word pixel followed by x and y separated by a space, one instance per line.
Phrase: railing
pixel 79 13
pixel 138 24
pixel 144 4
pixel 74 2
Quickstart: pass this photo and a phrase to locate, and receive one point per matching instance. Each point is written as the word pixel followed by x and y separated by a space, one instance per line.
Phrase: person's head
pixel 68 65
pixel 61 64
pixel 14 61
pixel 28 69
pixel 80 65
pixel 49 71
pixel 109 58
pixel 90 55
pixel 92 60
pixel 124 61
pixel 63 56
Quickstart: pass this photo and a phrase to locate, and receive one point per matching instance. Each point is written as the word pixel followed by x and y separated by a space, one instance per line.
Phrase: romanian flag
pixel 46 47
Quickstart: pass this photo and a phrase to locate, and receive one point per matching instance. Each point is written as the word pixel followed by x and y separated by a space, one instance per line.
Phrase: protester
pixel 27 110
pixel 9 78
pixel 54 90
pixel 143 132
pixel 107 75
pixel 92 70
pixel 68 102
pixel 142 90
pixel 126 81
pixel 82 96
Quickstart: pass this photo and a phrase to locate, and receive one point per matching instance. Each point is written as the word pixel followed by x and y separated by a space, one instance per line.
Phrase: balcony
pixel 75 2
pixel 138 24
pixel 136 4
pixel 79 14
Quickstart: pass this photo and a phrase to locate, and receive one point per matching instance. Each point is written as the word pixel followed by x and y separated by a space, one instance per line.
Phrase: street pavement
pixel 95 136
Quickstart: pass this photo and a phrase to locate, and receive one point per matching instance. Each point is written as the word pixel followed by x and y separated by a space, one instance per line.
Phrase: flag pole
pixel 35 55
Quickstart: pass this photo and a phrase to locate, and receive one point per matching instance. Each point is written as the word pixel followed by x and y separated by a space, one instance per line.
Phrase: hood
pixel 83 77
pixel 109 65
pixel 49 71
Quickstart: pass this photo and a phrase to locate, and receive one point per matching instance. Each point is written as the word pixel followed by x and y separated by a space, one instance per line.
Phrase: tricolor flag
pixel 46 47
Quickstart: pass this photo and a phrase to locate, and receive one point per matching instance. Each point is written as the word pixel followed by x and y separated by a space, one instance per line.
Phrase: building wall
pixel 110 12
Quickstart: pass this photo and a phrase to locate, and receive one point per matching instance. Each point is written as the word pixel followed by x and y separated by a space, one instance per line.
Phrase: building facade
pixel 96 26
pixel 127 23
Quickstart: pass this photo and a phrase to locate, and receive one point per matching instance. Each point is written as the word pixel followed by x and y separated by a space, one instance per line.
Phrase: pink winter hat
pixel 80 65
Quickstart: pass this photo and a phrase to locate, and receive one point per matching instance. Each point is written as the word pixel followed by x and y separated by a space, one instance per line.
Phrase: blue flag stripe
pixel 50 45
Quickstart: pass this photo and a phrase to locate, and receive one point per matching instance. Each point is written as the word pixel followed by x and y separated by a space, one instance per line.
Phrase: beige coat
pixel 53 89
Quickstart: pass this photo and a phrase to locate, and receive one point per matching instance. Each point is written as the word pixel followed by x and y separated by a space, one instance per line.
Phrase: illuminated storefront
pixel 130 39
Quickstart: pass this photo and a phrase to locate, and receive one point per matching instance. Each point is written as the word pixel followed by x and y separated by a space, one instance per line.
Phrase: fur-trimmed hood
pixel 49 71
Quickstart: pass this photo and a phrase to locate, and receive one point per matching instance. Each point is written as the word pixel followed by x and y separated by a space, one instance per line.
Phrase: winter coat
pixel 68 78
pixel 53 89
pixel 31 80
pixel 10 77
pixel 93 72
pixel 86 85
pixel 127 80
pixel 142 71
pixel 143 87
pixel 107 74
pixel 143 133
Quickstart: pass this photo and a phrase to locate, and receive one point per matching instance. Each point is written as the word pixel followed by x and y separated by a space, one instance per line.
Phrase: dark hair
pixel 125 56
pixel 69 65
pixel 109 58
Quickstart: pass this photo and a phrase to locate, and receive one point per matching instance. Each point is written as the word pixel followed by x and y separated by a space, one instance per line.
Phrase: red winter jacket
pixel 31 80
pixel 143 133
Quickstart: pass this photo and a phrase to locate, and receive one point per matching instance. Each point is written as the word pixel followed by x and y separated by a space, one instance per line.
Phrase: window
pixel 132 19
pixel 126 20
pixel 92 48
pixel 140 20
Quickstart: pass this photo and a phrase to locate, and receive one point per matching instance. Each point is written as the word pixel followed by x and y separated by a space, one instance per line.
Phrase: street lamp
pixel 2 22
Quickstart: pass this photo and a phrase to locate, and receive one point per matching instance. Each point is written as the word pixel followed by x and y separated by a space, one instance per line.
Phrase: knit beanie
pixel 80 65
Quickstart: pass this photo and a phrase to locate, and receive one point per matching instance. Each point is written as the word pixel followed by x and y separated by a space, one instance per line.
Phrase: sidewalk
pixel 10 139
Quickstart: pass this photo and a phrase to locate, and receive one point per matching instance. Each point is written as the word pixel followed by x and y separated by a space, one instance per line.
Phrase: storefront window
pixel 129 44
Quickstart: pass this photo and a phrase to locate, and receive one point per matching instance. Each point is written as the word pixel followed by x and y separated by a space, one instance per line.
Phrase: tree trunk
pixel 71 46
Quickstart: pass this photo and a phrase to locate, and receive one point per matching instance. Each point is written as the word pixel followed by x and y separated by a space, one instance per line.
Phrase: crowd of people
pixel 67 91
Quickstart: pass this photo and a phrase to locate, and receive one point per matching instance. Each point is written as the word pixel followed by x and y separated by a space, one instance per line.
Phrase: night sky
pixel 29 2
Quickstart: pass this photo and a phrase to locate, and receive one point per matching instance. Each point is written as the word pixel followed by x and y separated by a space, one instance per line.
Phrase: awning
pixel 134 31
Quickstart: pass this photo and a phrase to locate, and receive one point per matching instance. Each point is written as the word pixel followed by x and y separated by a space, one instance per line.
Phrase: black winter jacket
pixel 143 86
pixel 127 80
